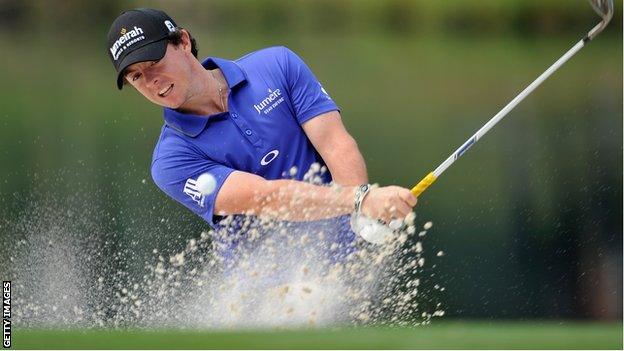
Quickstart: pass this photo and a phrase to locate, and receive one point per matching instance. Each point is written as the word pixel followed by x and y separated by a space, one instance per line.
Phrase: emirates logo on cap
pixel 123 31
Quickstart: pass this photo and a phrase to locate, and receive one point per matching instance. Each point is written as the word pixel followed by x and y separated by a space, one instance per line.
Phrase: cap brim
pixel 150 52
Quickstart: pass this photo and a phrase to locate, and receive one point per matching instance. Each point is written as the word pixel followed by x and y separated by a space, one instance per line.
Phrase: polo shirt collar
pixel 232 72
pixel 192 125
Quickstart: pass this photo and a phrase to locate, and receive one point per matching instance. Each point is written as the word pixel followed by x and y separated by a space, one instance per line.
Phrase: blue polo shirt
pixel 272 92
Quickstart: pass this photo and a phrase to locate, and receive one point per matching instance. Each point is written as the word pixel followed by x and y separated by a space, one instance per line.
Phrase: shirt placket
pixel 246 129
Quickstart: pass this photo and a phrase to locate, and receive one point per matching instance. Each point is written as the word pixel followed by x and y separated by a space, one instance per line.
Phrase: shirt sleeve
pixel 308 97
pixel 177 176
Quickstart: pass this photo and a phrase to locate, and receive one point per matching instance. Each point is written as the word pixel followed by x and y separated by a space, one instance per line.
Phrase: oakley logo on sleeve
pixel 190 189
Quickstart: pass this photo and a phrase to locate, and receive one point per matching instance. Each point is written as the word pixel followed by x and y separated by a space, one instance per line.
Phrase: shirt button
pixel 248 131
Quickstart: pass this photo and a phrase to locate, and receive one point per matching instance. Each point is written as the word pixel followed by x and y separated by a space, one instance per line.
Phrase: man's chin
pixel 172 104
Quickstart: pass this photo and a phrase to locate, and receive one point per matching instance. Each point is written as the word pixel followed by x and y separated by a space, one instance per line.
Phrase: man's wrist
pixel 360 193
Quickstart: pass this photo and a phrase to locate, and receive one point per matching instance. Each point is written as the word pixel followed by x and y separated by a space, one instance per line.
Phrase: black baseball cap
pixel 136 36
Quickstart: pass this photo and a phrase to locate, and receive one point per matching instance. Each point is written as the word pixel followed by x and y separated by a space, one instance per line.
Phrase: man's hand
pixel 388 203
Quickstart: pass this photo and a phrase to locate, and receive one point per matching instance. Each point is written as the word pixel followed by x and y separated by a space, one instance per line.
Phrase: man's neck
pixel 209 94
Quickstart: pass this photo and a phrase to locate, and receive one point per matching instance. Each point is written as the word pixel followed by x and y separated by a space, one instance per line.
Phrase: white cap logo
pixel 170 26
pixel 126 40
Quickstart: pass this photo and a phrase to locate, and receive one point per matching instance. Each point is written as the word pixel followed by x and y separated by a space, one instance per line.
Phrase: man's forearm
pixel 346 164
pixel 337 147
pixel 300 201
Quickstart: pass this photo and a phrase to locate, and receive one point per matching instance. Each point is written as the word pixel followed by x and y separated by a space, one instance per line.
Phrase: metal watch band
pixel 360 194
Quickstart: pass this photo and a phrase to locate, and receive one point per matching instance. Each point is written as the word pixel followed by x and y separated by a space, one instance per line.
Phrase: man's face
pixel 165 82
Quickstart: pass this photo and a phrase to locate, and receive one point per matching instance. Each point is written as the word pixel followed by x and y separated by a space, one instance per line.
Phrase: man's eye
pixel 136 76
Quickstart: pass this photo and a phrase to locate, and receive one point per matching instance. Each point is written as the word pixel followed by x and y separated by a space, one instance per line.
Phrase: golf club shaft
pixel 431 177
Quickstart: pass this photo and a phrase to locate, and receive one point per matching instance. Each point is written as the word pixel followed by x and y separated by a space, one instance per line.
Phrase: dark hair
pixel 175 38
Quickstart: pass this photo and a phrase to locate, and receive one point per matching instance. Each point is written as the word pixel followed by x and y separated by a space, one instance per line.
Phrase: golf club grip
pixel 423 184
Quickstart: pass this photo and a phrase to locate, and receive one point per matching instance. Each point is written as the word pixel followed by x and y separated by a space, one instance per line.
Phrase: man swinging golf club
pixel 249 123
pixel 256 125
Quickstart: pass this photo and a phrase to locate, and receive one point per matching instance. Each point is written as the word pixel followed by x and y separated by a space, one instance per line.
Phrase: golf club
pixel 604 8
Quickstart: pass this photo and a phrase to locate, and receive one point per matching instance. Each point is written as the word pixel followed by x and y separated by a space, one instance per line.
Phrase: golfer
pixel 257 124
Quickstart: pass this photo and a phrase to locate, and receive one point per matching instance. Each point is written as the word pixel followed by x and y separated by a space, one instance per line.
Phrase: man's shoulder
pixel 267 57
pixel 172 150
pixel 266 62
pixel 171 143
pixel 269 53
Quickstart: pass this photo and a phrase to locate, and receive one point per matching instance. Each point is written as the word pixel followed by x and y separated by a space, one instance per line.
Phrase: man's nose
pixel 152 80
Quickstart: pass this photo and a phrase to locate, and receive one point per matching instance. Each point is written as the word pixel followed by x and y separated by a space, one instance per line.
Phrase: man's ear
pixel 186 40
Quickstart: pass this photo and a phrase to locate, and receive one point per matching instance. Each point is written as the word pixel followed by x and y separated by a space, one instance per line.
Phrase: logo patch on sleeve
pixel 190 189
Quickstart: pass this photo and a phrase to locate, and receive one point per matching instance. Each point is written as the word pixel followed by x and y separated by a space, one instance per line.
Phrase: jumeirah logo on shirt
pixel 270 102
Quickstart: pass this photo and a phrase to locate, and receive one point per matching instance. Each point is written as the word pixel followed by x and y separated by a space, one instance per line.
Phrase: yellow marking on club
pixel 423 184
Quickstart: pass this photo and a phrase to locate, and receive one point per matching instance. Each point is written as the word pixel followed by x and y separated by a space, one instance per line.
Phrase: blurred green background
pixel 530 220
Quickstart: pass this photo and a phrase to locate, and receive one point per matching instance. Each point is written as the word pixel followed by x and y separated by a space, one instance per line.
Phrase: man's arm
pixel 291 200
pixel 337 148
pixel 247 193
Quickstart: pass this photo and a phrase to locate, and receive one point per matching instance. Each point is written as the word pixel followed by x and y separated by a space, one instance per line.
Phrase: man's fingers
pixel 399 211
pixel 408 197
pixel 389 203
pixel 402 210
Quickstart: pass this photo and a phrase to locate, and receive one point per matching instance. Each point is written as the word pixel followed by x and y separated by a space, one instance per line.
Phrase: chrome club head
pixel 604 8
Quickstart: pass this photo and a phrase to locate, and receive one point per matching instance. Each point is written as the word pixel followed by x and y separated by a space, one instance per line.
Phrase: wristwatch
pixel 360 194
